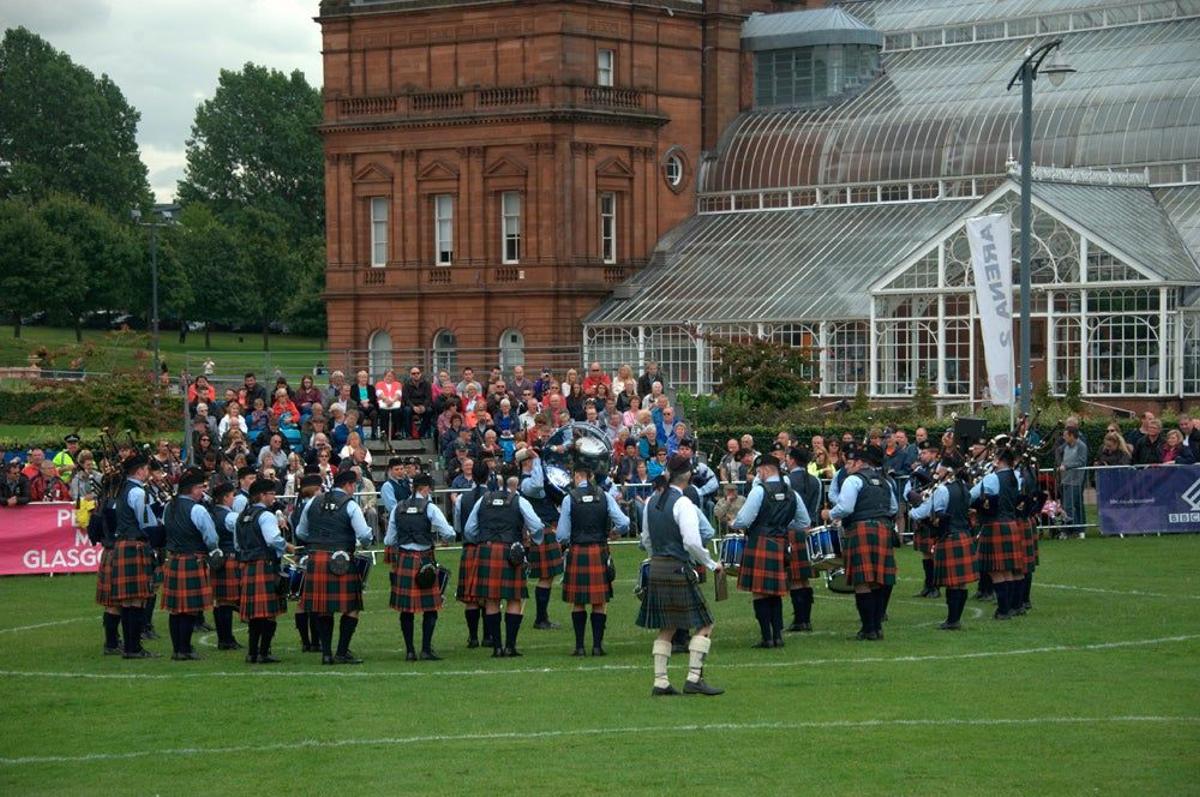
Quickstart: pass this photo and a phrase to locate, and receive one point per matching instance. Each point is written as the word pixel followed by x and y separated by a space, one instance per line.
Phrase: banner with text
pixel 990 238
pixel 42 538
pixel 1149 500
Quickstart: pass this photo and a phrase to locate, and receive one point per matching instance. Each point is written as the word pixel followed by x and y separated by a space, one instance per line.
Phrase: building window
pixel 379 231
pixel 605 60
pixel 673 170
pixel 445 351
pixel 608 227
pixel 379 353
pixel 443 229
pixel 512 349
pixel 510 211
pixel 812 75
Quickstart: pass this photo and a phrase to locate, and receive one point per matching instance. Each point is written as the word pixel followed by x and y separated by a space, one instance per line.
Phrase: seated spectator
pixel 316 424
pixel 236 444
pixel 519 383
pixel 233 420
pixel 202 444
pixel 648 445
pixel 307 396
pixel 389 397
pixel 657 466
pixel 251 390
pixel 507 420
pixel 200 390
pixel 418 413
pixel 217 408
pixel 650 376
pixel 629 417
pixel 260 418
pixel 595 378
pixel 14 487
pixel 354 450
pixel 577 403
pixel 445 420
pixel 448 436
pixel 472 405
pixel 527 418
pixel 678 432
pixel 320 442
pixel 1175 452
pixel 333 391
pixel 820 465
pixel 746 471
pixel 273 454
pixel 47 486
pixel 542 384
pixel 625 471
pixel 282 383
pixel 1114 450
pixel 362 396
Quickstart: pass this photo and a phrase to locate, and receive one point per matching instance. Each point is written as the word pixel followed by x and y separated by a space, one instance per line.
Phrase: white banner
pixel 991 259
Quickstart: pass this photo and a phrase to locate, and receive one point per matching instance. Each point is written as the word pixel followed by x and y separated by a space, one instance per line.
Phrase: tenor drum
pixel 731 550
pixel 836 581
pixel 643 580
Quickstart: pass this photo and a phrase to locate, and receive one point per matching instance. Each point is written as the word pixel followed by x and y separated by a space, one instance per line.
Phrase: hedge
pixel 92 404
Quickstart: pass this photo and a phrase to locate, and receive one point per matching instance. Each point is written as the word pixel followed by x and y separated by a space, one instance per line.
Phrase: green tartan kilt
pixel 1001 546
pixel 545 560
pixel 407 595
pixel 1031 544
pixel 260 591
pixel 868 552
pixel 586 578
pixel 326 593
pixel 672 599
pixel 764 569
pixel 131 572
pixel 954 562
pixel 495 579
pixel 186 589
pixel 104 579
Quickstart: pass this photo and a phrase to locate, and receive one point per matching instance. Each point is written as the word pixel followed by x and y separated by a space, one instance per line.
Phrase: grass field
pixel 1096 690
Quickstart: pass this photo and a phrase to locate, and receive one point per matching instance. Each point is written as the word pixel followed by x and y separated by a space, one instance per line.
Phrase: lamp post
pixel 1027 73
pixel 167 214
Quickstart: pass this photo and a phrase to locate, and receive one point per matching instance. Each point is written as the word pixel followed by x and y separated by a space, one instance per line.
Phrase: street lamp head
pixel 1057 70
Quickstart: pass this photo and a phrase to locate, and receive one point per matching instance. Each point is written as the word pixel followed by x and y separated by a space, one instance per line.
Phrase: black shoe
pixel 326 659
pixel 347 658
pixel 472 643
pixel 149 633
pixel 140 654
pixel 497 653
pixel 204 628
pixel 545 625
pixel 806 627
pixel 664 691
pixel 112 651
pixel 251 659
pixel 1026 605
pixel 1017 612
pixel 512 652
pixel 948 626
pixel 861 636
pixel 794 628
pixel 598 652
pixel 935 592
pixel 430 655
pixel 924 593
pixel 267 659
pixel 778 643
pixel 410 656
pixel 1002 615
pixel 678 648
pixel 701 688
pixel 232 644
pixel 179 657
pixel 486 642
pixel 579 652
pixel 766 643
pixel 877 635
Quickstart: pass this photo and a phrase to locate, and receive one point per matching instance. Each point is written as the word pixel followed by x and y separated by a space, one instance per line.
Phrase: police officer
pixel 772 511
pixel 810 490
pixel 867 507
pixel 259 546
pixel 465 592
pixel 1001 537
pixel 671 535
pixel 226 582
pixel 131 566
pixel 923 526
pixel 191 534
pixel 413 527
pixel 331 526
pixel 496 524
pixel 545 557
pixel 588 518
pixel 945 512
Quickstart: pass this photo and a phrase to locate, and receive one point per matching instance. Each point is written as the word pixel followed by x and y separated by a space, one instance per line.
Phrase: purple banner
pixel 1164 499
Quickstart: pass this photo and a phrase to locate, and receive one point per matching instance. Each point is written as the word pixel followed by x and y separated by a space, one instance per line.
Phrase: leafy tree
pixel 37 266
pixel 64 130
pixel 208 252
pixel 923 398
pixel 762 373
pixel 267 264
pixel 305 310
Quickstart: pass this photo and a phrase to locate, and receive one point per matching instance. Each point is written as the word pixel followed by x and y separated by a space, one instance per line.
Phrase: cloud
pixel 51 18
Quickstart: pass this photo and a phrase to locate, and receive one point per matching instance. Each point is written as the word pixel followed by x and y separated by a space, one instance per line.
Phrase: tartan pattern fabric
pixel 586 577
pixel 1001 546
pixel 406 595
pixel 799 567
pixel 764 569
pixel 1031 544
pixel 104 579
pixel 495 579
pixel 464 591
pixel 186 589
pixel 545 560
pixel 131 572
pixel 954 562
pixel 868 552
pixel 259 590
pixel 671 599
pixel 227 583
pixel 325 593
pixel 923 538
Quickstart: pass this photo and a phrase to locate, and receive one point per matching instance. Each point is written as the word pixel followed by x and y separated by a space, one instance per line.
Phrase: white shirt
pixel 686 517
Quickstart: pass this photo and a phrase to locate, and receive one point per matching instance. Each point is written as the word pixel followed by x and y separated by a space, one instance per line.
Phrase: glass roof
pixel 891 15
pixel 944 111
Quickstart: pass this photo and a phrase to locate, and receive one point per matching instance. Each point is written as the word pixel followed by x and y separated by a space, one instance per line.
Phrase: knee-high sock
pixel 697 649
pixel 661 650
pixel 326 625
pixel 806 614
pixel 762 613
pixel 148 611
pixel 599 623
pixel 346 633
pixel 512 625
pixel 579 623
pixel 314 628
pixel 775 602
pixel 1000 588
pixel 302 628
pixel 865 603
pixel 886 598
pixel 927 565
pixel 879 603
pixel 957 601
pixel 111 623
pixel 187 624
pixel 542 598
pixel 268 634
pixel 428 623
pixel 491 629
pixel 131 627
pixel 472 615
pixel 255 635
pixel 985 584
pixel 223 620
pixel 173 628
pixel 1027 587
pixel 406 627
pixel 797 596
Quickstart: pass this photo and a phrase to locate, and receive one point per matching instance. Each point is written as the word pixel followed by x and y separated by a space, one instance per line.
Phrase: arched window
pixel 379 353
pixel 512 349
pixel 445 351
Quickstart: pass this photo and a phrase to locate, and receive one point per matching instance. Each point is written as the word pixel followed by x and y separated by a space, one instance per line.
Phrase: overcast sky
pixel 166 54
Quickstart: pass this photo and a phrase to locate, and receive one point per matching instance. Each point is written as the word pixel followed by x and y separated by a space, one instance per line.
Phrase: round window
pixel 673 170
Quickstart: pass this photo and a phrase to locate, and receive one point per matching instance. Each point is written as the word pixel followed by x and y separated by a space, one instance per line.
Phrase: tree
pixel 267 264
pixel 208 252
pixel 255 145
pixel 762 373
pixel 64 130
pixel 37 266
pixel 305 310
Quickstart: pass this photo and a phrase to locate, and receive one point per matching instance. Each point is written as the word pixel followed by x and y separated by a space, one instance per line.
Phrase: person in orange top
pixel 284 409
pixel 596 377
pixel 201 390
pixel 389 395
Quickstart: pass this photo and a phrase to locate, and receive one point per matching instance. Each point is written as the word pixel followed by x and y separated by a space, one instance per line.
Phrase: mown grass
pixel 1114 635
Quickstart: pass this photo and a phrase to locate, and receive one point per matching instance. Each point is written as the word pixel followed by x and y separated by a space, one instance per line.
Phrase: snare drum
pixel 643 580
pixel 731 550
pixel 362 565
pixel 824 545
pixel 291 579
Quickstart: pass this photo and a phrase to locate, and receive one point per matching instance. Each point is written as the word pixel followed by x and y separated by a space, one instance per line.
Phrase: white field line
pixel 1131 592
pixel 330 744
pixel 45 625
pixel 342 672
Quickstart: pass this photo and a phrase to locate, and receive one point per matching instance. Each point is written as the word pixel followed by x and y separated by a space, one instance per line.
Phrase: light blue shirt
pixel 990 484
pixel 362 532
pixel 535 485
pixel 269 526
pixel 202 520
pixel 533 524
pixel 136 500
pixel 847 497
pixel 231 520
pixel 754 500
pixel 935 504
pixel 240 502
pixel 835 485
pixel 619 520
pixel 440 527
pixel 387 494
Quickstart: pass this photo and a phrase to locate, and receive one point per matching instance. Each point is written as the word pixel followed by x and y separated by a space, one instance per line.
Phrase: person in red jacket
pixel 595 377
pixel 46 486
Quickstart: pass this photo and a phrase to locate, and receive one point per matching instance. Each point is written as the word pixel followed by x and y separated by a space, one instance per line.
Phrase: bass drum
pixel 836 581
pixel 575 442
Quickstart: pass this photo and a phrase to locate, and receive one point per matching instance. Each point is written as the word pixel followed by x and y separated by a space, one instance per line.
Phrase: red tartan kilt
pixel 406 595
pixel 799 567
pixel 465 591
pixel 186 589
pixel 954 563
pixel 867 550
pixel 495 579
pixel 1031 544
pixel 923 538
pixel 325 593
pixel 764 569
pixel 131 572
pixel 104 579
pixel 1002 546
pixel 586 577
pixel 545 560
pixel 259 596
pixel 227 583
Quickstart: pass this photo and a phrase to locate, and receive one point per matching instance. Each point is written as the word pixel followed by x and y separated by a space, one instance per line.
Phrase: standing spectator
pixel 307 396
pixel 519 383
pixel 1133 436
pixel 595 378
pixel 362 393
pixel 14 487
pixel 1148 450
pixel 649 376
pixel 389 396
pixel 252 390
pixel 47 486
pixel 727 508
pixel 543 384
pixel 727 468
pixel 85 483
pixel 1175 452
pixel 64 460
pixel 1114 450
pixel 747 442
pixel 200 390
pixel 625 380
pixel 418 404
pixel 1189 428
pixel 1071 477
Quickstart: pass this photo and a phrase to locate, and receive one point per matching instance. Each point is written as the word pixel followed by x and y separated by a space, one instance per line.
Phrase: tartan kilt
pixel 799 567
pixel 325 593
pixel 407 596
pixel 156 580
pixel 464 591
pixel 586 579
pixel 671 599
pixel 259 590
pixel 545 560
pixel 923 538
pixel 186 588
pixel 954 562
pixel 104 579
pixel 764 569
pixel 495 579
pixel 131 572
pixel 227 583
pixel 868 552
pixel 1001 546
pixel 1031 544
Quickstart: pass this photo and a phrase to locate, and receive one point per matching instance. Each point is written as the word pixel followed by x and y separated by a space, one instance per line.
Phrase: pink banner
pixel 37 539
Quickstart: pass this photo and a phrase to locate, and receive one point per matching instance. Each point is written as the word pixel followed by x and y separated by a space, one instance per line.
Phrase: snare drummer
pixel 333 523
pixel 307 625
pixel 411 530
pixel 259 546
pixel 771 511
pixel 186 589
pixel 808 487
pixel 226 582
pixel 545 557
